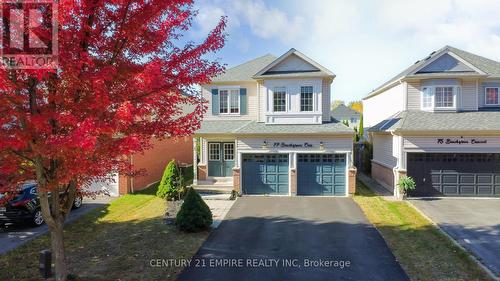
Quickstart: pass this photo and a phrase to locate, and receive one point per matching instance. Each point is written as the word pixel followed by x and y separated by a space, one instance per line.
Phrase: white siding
pixel 293 115
pixel 293 63
pixel 385 150
pixel 252 101
pixel 469 96
pixel 382 106
pixel 430 144
pixel 413 100
pixel 326 99
pixel 331 144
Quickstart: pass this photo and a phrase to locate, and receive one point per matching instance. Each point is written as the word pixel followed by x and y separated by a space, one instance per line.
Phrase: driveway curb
pixel 469 253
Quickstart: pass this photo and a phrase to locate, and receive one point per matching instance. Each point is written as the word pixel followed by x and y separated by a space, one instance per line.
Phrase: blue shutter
pixel 243 101
pixel 215 102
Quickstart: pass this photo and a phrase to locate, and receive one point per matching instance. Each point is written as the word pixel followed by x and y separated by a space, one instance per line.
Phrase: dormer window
pixel 491 97
pixel 306 98
pixel 279 99
pixel 439 97
pixel 229 101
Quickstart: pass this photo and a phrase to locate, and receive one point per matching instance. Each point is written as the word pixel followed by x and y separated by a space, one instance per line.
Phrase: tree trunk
pixel 57 243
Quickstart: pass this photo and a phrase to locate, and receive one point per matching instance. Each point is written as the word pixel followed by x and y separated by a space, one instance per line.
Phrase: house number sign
pixel 461 141
pixel 292 145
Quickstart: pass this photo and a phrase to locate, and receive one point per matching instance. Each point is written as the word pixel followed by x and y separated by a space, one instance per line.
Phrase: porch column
pixel 195 161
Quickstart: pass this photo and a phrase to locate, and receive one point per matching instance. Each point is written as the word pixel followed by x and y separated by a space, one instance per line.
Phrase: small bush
pixel 194 215
pixel 406 184
pixel 171 183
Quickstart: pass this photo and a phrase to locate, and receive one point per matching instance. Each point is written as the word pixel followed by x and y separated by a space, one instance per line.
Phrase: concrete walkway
pixel 219 204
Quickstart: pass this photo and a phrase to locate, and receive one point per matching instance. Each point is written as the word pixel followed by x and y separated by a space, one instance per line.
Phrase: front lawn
pixel 116 242
pixel 422 250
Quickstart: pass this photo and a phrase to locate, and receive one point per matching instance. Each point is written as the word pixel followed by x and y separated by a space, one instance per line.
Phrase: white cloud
pixel 363 42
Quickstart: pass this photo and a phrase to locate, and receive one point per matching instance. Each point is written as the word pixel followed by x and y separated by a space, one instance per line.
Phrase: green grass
pixel 115 242
pixel 422 250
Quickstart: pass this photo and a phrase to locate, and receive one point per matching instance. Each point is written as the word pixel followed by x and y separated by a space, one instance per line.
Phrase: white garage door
pixel 108 187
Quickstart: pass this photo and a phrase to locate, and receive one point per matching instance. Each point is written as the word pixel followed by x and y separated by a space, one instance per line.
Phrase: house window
pixel 444 97
pixel 306 98
pixel 229 101
pixel 354 120
pixel 279 100
pixel 427 97
pixel 214 151
pixel 229 151
pixel 492 96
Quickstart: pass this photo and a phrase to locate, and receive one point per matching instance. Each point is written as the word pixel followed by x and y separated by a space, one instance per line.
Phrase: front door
pixel 220 159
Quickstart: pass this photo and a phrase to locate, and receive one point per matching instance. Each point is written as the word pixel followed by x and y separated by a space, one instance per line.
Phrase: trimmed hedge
pixel 194 215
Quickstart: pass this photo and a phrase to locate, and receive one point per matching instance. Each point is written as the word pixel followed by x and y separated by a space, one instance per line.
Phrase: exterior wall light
pixel 264 145
pixel 321 145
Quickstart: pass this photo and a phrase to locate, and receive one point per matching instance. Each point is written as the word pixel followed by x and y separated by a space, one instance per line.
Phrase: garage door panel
pixel 321 174
pixel 467 190
pixel 455 174
pixel 265 174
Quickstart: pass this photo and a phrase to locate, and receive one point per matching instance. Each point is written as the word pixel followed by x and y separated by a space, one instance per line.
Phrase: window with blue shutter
pixel 243 101
pixel 215 102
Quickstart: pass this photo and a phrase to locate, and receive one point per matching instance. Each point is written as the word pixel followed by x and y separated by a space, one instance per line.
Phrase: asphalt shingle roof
pixel 488 66
pixel 423 121
pixel 341 112
pixel 257 128
pixel 245 71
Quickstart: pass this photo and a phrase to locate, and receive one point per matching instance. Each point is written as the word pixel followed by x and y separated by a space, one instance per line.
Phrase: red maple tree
pixel 123 74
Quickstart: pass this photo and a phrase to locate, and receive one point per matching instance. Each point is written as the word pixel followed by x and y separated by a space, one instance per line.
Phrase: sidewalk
pixel 376 187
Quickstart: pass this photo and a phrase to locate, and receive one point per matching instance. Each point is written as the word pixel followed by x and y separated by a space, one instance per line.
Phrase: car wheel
pixel 37 218
pixel 78 202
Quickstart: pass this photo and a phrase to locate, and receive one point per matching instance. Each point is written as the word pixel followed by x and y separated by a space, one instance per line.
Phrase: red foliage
pixel 120 80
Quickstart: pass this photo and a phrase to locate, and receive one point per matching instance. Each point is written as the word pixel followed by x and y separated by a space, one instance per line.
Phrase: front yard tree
pixel 123 74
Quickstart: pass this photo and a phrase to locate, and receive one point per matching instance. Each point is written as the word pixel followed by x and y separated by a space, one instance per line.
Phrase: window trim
pixel 281 89
pixel 486 92
pixel 432 88
pixel 229 93
pixel 312 98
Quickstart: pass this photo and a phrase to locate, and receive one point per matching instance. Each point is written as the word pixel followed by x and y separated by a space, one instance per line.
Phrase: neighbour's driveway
pixel 474 223
pixel 290 238
pixel 16 235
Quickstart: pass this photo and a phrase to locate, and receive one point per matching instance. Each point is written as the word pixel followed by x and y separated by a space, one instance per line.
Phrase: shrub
pixel 171 183
pixel 406 184
pixel 194 215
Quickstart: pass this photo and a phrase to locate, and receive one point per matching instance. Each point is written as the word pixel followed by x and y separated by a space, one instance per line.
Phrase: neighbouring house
pixel 269 131
pixel 343 113
pixel 153 161
pixel 439 122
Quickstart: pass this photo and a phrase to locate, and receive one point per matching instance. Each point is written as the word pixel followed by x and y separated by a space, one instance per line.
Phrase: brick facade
pixel 202 172
pixel 236 180
pixel 383 175
pixel 293 181
pixel 352 180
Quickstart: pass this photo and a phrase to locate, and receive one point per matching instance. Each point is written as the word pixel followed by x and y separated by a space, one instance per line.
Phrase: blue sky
pixel 363 42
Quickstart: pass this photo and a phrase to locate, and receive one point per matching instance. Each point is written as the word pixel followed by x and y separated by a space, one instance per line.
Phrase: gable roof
pixel 317 70
pixel 440 122
pixel 481 66
pixel 341 112
pixel 245 71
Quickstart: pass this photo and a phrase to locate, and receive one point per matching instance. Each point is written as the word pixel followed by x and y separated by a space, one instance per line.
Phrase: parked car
pixel 25 207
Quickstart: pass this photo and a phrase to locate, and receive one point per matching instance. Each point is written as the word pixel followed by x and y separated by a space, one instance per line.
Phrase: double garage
pixel 455 174
pixel 318 174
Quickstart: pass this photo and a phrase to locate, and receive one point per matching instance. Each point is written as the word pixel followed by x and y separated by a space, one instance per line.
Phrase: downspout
pixel 132 178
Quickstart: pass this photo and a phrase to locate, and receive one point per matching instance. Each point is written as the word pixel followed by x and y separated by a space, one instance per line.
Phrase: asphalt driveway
pixel 474 223
pixel 16 235
pixel 294 238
